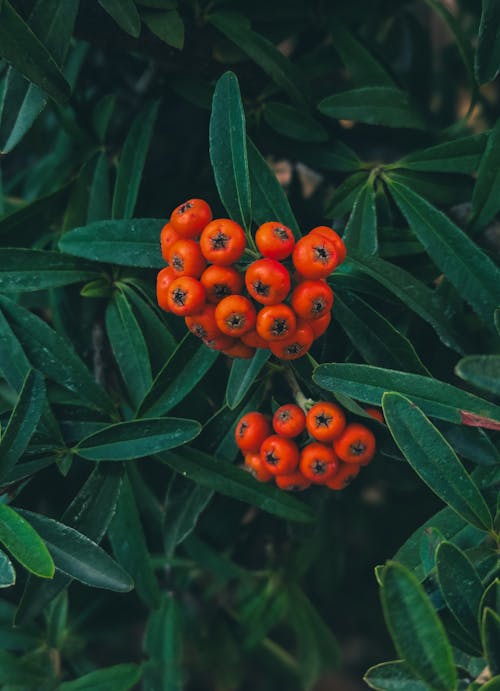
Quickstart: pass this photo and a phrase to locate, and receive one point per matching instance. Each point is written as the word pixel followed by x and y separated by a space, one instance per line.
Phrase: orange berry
pixel 325 421
pixel 318 462
pixel 280 455
pixel 314 256
pixel 356 444
pixel 346 472
pixel 256 467
pixel 203 324
pixel 319 326
pixel 163 280
pixel 312 299
pixel 219 342
pixel 289 420
pixel 252 339
pixel 335 238
pixel 220 282
pixel 167 238
pixel 294 346
pixel 186 259
pixel 293 482
pixel 276 322
pixel 235 315
pixel 251 430
pixel 267 281
pixel 185 296
pixel 239 350
pixel 376 414
pixel 190 218
pixel 222 242
pixel 274 240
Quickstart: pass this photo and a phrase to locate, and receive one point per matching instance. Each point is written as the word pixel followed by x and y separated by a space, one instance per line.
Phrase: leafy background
pixel 135 554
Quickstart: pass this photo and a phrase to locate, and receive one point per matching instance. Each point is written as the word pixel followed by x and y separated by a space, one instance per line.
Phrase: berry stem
pixel 300 398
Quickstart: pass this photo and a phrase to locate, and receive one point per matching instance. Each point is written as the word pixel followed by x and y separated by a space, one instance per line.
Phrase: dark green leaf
pixel 125 14
pixel 22 422
pixel 168 26
pixel 126 242
pixel 235 482
pixel 132 160
pixel 458 156
pixel 490 632
pixel 361 230
pixel 129 347
pixel 487 61
pixel 393 676
pixel 24 270
pixel 24 543
pixel 99 204
pixel 187 365
pixel 329 156
pixel 184 502
pixel 102 115
pixel 24 51
pixel 418 634
pixel 7 573
pixel 363 67
pixel 482 371
pixel 130 549
pixel 163 643
pixel 492 685
pixel 79 557
pixel 243 375
pixel 137 438
pixel 264 610
pixel 228 150
pixel 431 539
pixel 373 336
pixel 467 267
pixel 434 460
pixel 485 198
pixel 269 200
pixel 283 72
pixel 294 123
pixel 345 194
pixel 471 442
pixel 491 597
pixel 118 678
pixel 440 189
pixel 21 228
pixel 374 105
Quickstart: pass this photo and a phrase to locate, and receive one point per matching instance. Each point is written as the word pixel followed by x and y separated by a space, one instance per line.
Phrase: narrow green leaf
pixel 487 63
pixel 492 685
pixel 117 678
pixel 329 156
pixel 102 114
pixel 460 586
pixel 228 150
pixel 491 597
pixel 364 69
pixel 125 14
pixel 130 549
pixel 243 375
pixel 458 156
pixel 485 204
pixel 264 610
pixel 24 270
pixel 184 502
pixel 440 189
pixel 345 194
pixel 168 26
pixel 24 543
pixel 374 105
pixel 126 243
pixel 14 365
pixel 490 631
pixel 373 336
pixel 472 443
pixel 21 228
pixel 22 422
pixel 418 634
pixel 187 366
pixel 26 53
pixel 430 541
pixel 467 267
pixel 361 230
pixel 283 72
pixel 433 459
pixel 482 371
pixel 163 643
pixel 132 160
pixel 99 204
pixel 269 200
pixel 137 438
pixel 7 573
pixel 393 676
pixel 235 482
pixel 294 123
pixel 79 557
pixel 129 347
pixel 53 355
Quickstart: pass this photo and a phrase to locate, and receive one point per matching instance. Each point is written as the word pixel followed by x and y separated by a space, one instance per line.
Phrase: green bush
pixel 135 553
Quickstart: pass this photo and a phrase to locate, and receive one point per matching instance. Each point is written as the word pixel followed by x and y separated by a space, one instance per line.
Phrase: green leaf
pixel 137 438
pixel 492 685
pixel 264 610
pixel 79 557
pixel 433 459
pixel 269 200
pixel 431 539
pixel 24 543
pixel 487 63
pixel 393 676
pixel 22 422
pixel 294 123
pixel 490 632
pixel 99 204
pixel 24 51
pixel 491 597
pixel 436 398
pixel 345 194
pixel 22 228
pixel 457 156
pixel 53 355
pixel 374 105
pixel 329 156
pixel 102 114
pixel 418 634
pixel 472 443
pixel 184 502
pixel 364 69
pixel 7 573
pixel 413 293
pixel 234 482
pixel 440 189
pixel 125 14
pixel 361 230
pixel 24 270
pixel 283 72
pixel 117 678
pixel 243 375
pixel 460 586
pixel 485 204
pixel 130 549
pixel 482 371
pixel 163 643
pixel 126 242
pixel 373 336
pixel 132 160
pixel 467 267
pixel 184 369
pixel 129 347
pixel 228 150
pixel 168 26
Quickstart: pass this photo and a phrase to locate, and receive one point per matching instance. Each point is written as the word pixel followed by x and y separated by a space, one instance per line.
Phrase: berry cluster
pixel 301 449
pixel 238 308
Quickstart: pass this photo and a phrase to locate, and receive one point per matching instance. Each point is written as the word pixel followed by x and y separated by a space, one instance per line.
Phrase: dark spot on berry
pixel 242 429
pixel 185 207
pixel 284 416
pixel 179 297
pixel 357 448
pixel 293 349
pixel 178 262
pixel 318 305
pixel 236 320
pixel 271 458
pixel 198 331
pixel 323 420
pixel 321 254
pixel 221 290
pixel 261 288
pixel 318 467
pixel 279 327
pixel 219 241
pixel 281 234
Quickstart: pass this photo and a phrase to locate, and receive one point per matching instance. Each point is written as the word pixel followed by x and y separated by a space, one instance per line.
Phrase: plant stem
pixel 300 398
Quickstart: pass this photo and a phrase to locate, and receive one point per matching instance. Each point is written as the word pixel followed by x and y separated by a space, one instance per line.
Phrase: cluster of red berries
pixel 235 310
pixel 330 452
